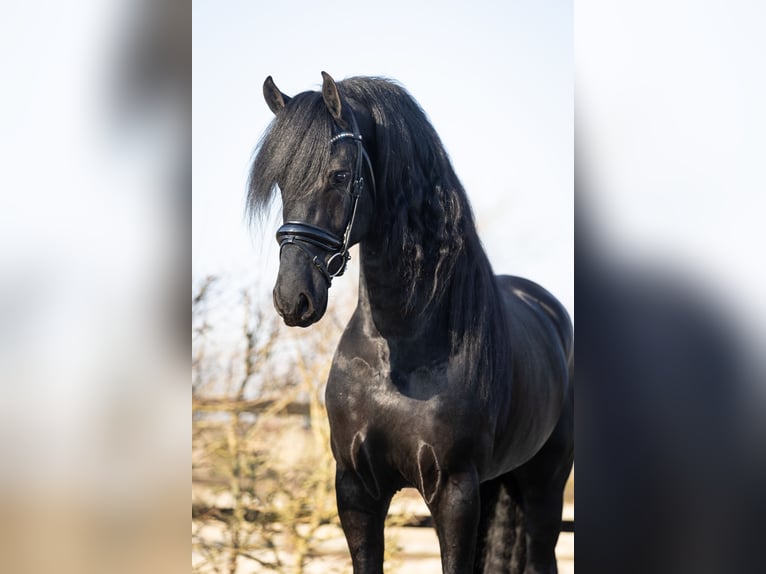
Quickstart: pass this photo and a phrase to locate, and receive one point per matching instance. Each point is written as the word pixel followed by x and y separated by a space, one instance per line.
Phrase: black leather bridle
pixel 328 251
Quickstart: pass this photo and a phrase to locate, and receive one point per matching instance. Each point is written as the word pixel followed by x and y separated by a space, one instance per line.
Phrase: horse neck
pixel 385 301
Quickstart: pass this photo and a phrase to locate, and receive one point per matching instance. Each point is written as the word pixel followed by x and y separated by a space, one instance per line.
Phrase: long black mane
pixel 422 211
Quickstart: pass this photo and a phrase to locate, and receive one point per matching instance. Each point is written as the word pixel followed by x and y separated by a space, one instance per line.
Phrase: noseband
pixel 328 251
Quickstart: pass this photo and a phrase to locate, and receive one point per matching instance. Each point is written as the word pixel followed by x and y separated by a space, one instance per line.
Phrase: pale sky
pixel 495 78
pixel 671 128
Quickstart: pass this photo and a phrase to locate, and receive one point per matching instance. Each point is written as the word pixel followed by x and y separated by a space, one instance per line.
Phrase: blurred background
pixel 670 140
pixel 94 223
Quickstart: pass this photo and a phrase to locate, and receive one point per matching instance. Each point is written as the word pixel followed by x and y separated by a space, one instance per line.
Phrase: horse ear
pixel 331 96
pixel 275 99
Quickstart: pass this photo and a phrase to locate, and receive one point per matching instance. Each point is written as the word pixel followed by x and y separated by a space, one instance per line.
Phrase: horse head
pixel 316 146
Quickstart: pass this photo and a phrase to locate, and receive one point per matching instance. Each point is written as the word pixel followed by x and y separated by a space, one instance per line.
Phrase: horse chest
pixel 396 425
pixel 363 394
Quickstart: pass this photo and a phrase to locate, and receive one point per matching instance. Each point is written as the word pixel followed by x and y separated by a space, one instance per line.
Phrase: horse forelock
pixel 292 154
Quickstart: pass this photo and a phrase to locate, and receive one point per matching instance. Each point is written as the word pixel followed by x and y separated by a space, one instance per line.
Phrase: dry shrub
pixel 263 479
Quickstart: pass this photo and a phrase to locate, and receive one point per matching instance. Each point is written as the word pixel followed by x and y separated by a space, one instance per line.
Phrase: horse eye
pixel 340 177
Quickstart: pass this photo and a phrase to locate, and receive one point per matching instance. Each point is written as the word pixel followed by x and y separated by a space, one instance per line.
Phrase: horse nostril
pixel 305 308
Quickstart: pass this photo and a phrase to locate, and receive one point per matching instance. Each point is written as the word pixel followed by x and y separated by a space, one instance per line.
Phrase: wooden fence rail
pixel 249 406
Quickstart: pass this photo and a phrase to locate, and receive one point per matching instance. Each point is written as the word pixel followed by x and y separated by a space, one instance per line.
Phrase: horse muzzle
pixel 300 294
pixel 301 313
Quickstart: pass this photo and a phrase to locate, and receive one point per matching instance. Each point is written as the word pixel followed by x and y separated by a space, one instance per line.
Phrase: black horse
pixel 448 378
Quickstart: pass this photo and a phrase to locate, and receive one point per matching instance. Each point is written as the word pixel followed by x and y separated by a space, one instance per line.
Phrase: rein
pixel 327 250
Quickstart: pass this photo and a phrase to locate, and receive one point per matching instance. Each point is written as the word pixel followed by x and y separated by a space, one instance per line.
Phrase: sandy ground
pixel 417 552
pixel 412 550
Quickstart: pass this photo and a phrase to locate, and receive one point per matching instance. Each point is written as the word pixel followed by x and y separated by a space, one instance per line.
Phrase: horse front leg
pixel 362 516
pixel 455 509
